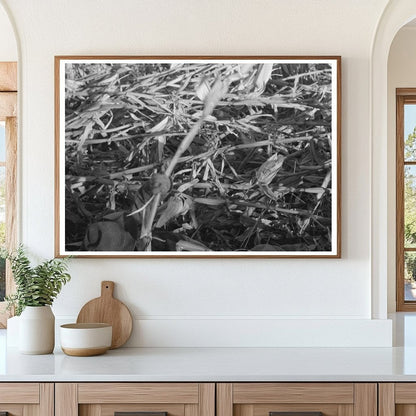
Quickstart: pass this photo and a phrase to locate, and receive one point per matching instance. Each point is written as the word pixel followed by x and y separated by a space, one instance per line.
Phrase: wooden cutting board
pixel 108 310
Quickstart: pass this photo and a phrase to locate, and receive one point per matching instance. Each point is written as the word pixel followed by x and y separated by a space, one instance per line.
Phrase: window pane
pixel 410 132
pixel 409 275
pixel 410 206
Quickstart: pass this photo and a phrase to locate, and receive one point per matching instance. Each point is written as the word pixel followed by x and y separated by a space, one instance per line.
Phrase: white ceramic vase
pixel 37 330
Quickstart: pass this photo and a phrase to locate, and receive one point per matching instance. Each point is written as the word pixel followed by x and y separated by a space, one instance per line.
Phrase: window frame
pixel 8 113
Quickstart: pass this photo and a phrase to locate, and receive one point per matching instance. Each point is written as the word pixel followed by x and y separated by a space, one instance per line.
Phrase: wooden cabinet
pixel 27 399
pixel 108 399
pixel 208 399
pixel 264 399
pixel 397 399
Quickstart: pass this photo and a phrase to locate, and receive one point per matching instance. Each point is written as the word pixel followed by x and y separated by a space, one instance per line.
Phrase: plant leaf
pixel 202 90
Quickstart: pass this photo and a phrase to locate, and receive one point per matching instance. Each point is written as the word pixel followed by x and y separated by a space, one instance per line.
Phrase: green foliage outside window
pixel 410 206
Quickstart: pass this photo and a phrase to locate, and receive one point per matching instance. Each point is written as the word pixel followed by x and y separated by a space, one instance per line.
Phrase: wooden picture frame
pixel 198 156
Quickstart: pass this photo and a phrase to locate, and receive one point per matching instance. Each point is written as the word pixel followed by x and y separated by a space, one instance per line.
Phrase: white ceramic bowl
pixel 83 340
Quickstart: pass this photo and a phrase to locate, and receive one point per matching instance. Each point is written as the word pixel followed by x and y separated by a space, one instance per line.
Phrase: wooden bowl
pixel 84 340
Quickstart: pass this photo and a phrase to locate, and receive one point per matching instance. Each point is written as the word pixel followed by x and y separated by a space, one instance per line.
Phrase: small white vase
pixel 37 330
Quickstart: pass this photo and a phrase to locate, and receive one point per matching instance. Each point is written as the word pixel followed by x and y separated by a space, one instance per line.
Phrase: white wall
pixel 206 299
pixel 401 74
pixel 8 47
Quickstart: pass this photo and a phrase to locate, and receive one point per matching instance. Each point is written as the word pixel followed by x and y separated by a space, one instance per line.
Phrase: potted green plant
pixel 36 289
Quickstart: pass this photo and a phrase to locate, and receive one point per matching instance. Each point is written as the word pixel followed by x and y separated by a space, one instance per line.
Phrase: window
pixel 2 206
pixel 8 165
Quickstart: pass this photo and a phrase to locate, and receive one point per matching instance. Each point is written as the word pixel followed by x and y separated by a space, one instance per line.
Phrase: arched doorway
pixel 396 15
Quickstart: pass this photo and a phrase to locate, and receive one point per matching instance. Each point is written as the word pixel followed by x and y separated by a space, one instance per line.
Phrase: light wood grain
pixel 138 393
pixel 346 410
pixel 245 410
pixel 224 399
pixel 90 410
pixel 191 410
pixel 8 76
pixel 66 399
pixel 237 408
pixel 252 393
pixel 8 105
pixel 405 393
pixel 365 399
pixel 57 162
pixel 19 393
pixel 386 399
pixel 47 399
pixel 111 311
pixel 207 399
pixel 31 410
pixel 404 96
pixel 339 158
pixel 405 91
pixel 400 304
pixel 11 196
pixel 405 410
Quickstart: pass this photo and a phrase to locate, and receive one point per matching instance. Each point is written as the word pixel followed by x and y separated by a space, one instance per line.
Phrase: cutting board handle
pixel 107 288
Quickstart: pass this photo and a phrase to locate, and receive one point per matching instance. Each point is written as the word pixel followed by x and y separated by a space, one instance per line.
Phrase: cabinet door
pixel 297 399
pixel 141 399
pixel 26 399
pixel 397 399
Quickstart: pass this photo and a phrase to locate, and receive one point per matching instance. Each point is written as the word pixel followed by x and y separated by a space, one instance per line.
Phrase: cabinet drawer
pixel 297 399
pixel 146 399
pixel 138 393
pixel 21 399
pixel 19 393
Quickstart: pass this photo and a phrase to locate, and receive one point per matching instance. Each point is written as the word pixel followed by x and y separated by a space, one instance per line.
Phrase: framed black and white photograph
pixel 198 156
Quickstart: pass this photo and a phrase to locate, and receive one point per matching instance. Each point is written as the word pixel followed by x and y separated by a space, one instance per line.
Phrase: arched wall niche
pixel 397 14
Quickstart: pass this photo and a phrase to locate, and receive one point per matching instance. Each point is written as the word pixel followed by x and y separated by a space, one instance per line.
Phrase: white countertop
pixel 222 364
pixel 215 364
